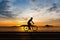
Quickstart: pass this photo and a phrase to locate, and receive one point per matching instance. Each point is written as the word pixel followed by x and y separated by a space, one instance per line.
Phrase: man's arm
pixel 32 22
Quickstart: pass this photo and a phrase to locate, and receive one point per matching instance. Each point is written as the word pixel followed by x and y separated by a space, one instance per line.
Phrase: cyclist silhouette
pixel 29 22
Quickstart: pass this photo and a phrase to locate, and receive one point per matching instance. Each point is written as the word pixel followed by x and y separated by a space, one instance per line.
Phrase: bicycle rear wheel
pixel 25 28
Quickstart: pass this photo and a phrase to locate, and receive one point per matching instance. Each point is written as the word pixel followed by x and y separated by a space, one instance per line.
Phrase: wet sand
pixel 28 36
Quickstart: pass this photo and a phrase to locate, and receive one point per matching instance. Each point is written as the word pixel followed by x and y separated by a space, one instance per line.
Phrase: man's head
pixel 31 17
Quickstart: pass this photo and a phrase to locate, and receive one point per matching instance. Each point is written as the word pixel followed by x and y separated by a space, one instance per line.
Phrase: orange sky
pixel 13 23
pixel 7 23
pixel 43 24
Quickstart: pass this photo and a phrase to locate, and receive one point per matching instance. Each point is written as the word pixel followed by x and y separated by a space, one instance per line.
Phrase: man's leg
pixel 29 27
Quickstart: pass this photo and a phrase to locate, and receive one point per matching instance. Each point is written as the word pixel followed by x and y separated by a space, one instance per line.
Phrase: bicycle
pixel 33 27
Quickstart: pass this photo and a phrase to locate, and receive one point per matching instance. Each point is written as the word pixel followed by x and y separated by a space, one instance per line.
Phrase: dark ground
pixel 28 36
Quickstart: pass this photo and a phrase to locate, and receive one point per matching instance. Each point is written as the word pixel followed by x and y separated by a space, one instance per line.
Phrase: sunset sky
pixel 43 12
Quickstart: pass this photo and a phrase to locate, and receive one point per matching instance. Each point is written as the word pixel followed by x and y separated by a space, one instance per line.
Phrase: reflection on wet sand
pixel 25 36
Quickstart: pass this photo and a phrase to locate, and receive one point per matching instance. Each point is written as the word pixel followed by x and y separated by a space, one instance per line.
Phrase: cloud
pixel 12 0
pixel 41 13
pixel 36 10
pixel 55 7
pixel 6 9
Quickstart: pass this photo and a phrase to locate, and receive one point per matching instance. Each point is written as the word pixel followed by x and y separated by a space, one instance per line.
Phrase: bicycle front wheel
pixel 34 28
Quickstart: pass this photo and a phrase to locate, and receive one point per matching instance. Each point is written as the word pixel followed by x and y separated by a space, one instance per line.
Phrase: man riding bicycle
pixel 29 22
